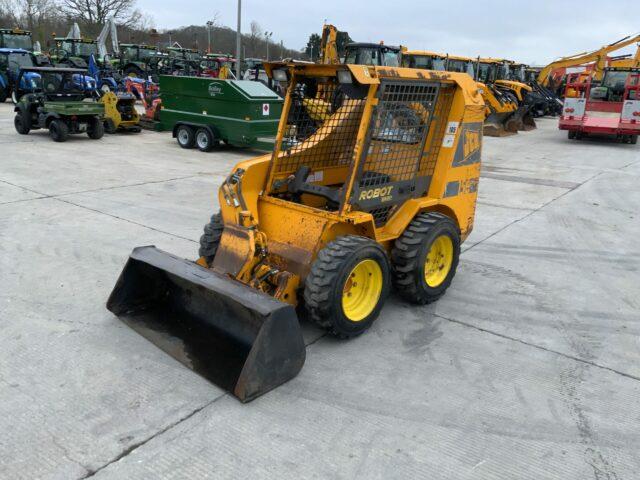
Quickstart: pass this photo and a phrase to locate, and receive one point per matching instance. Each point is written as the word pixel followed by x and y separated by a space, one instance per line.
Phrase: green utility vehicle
pixel 63 104
pixel 201 112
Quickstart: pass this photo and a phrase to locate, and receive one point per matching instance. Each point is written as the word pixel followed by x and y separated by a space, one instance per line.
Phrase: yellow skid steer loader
pixel 377 188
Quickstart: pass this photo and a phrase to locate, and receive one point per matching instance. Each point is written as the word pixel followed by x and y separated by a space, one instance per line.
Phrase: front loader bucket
pixel 494 126
pixel 238 338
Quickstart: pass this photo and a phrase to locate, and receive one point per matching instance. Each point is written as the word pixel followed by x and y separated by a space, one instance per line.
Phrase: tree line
pixel 49 18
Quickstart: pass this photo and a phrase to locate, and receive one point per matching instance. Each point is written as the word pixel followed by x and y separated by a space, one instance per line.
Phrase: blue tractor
pixel 12 60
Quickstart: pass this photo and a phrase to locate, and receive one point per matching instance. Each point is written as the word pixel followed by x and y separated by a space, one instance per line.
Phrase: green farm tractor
pixel 65 103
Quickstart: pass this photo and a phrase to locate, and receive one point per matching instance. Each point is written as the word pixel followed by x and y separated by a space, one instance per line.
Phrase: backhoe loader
pixel 379 189
pixel 500 107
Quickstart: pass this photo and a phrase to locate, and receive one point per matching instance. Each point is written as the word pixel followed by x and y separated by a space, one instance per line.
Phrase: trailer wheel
pixel 425 258
pixel 204 140
pixel 210 239
pixel 347 285
pixel 185 136
pixel 58 130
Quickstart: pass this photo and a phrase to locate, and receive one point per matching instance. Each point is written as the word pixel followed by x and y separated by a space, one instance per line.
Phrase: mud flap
pixel 238 338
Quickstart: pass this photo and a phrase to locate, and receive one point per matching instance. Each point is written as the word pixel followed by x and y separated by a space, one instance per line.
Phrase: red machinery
pixel 610 108
pixel 148 94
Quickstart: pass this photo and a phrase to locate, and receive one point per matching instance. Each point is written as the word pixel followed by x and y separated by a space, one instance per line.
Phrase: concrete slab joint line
pixel 540 347
pixel 127 451
pixel 534 211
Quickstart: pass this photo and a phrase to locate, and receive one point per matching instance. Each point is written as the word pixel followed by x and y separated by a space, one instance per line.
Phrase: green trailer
pixel 201 112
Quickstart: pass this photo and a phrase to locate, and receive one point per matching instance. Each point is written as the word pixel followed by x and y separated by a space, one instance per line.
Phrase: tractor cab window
pixel 362 56
pixel 20 60
pixel 86 49
pixel 130 53
pixel 426 62
pixel 146 53
pixel 12 40
pixel 615 80
pixel 504 71
pixel 390 58
pixel 486 72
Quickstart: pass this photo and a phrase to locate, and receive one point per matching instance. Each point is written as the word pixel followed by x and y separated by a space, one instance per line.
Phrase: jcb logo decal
pixel 384 192
pixel 471 142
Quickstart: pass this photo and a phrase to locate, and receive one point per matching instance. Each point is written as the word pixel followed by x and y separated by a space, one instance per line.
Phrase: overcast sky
pixel 533 32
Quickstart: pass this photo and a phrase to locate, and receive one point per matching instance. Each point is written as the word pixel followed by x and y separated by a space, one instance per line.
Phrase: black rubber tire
pixel 634 139
pixel 3 95
pixel 203 140
pixel 571 134
pixel 96 129
pixel 187 134
pixel 409 253
pixel 20 124
pixel 210 239
pixel 58 130
pixel 323 287
pixel 109 126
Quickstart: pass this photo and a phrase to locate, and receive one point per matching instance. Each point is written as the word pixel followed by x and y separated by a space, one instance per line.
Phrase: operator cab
pixel 376 54
pixel 612 86
pixel 424 60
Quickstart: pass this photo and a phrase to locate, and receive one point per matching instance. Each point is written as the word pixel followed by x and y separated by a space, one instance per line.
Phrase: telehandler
pixel 378 190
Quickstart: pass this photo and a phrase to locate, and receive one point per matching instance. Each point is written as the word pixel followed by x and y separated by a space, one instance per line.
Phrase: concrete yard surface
pixel 528 368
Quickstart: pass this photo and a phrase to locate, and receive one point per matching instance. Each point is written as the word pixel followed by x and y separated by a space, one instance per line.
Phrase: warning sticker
pixel 265 109
pixel 448 141
pixel 452 128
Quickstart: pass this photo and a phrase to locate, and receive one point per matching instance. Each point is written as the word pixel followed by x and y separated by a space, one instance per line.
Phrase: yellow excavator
pixel 598 57
pixel 628 61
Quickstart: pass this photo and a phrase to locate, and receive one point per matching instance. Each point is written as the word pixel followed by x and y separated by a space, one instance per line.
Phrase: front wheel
pixel 347 285
pixel 58 130
pixel 21 124
pixel 425 258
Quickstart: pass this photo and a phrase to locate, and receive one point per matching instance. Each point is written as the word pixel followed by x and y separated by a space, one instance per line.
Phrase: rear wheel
pixel 425 258
pixel 204 140
pixel 185 136
pixel 571 134
pixel 96 129
pixel 210 239
pixel 634 139
pixel 58 130
pixel 21 124
pixel 347 285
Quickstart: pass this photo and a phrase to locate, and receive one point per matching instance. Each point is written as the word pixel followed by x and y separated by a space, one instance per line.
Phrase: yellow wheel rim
pixel 439 260
pixel 362 290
